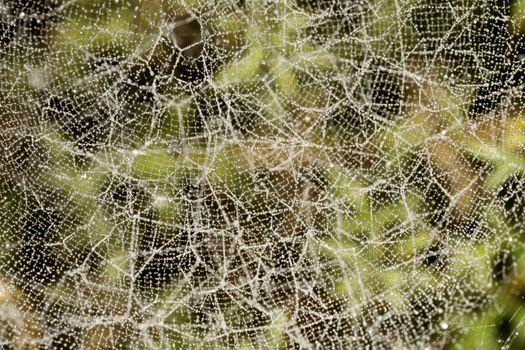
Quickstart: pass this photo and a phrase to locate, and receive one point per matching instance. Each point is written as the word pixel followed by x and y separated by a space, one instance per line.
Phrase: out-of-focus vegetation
pixel 262 174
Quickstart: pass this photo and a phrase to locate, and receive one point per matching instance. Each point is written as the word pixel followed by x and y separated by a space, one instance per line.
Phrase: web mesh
pixel 261 174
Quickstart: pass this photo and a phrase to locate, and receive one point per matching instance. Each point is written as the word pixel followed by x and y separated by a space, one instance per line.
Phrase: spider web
pixel 261 174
